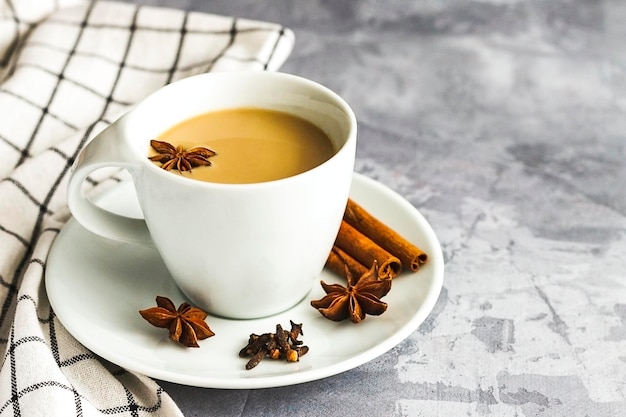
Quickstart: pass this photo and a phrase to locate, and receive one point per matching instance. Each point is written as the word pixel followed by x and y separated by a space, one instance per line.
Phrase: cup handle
pixel 107 149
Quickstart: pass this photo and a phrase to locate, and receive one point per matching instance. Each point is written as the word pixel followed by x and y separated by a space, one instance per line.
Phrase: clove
pixel 282 344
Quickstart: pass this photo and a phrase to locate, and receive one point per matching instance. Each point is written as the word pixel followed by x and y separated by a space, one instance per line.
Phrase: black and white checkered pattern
pixel 65 73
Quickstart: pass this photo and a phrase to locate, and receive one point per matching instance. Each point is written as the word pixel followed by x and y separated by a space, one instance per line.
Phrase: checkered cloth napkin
pixel 68 68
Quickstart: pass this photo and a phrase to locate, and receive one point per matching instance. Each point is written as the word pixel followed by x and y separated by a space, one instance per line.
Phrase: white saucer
pixel 96 287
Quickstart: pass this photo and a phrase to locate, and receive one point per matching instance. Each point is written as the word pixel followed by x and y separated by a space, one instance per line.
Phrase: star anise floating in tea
pixel 360 297
pixel 280 345
pixel 186 324
pixel 179 158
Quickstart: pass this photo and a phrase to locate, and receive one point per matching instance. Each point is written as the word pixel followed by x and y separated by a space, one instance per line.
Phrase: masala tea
pixel 251 145
pixel 275 153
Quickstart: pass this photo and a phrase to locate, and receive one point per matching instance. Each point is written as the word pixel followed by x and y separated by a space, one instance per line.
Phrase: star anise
pixel 186 324
pixel 360 297
pixel 177 157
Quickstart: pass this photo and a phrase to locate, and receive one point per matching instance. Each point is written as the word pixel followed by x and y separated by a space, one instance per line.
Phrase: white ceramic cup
pixel 236 250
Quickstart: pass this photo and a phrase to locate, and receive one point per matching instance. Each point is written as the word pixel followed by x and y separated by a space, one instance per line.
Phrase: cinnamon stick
pixel 338 260
pixel 387 238
pixel 364 250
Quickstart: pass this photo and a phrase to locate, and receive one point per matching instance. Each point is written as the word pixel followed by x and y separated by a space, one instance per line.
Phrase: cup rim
pixel 334 98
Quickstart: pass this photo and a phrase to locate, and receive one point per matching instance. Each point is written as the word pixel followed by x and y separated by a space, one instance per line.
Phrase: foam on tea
pixel 252 144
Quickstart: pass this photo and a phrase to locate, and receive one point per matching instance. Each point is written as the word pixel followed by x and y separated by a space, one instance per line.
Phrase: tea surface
pixel 252 145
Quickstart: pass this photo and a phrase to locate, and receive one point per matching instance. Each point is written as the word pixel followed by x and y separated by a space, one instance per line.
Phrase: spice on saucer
pixel 186 324
pixel 360 297
pixel 366 251
pixel 363 238
pixel 179 158
pixel 282 344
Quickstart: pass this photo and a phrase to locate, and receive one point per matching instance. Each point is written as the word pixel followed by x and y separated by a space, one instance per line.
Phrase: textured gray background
pixel 503 122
